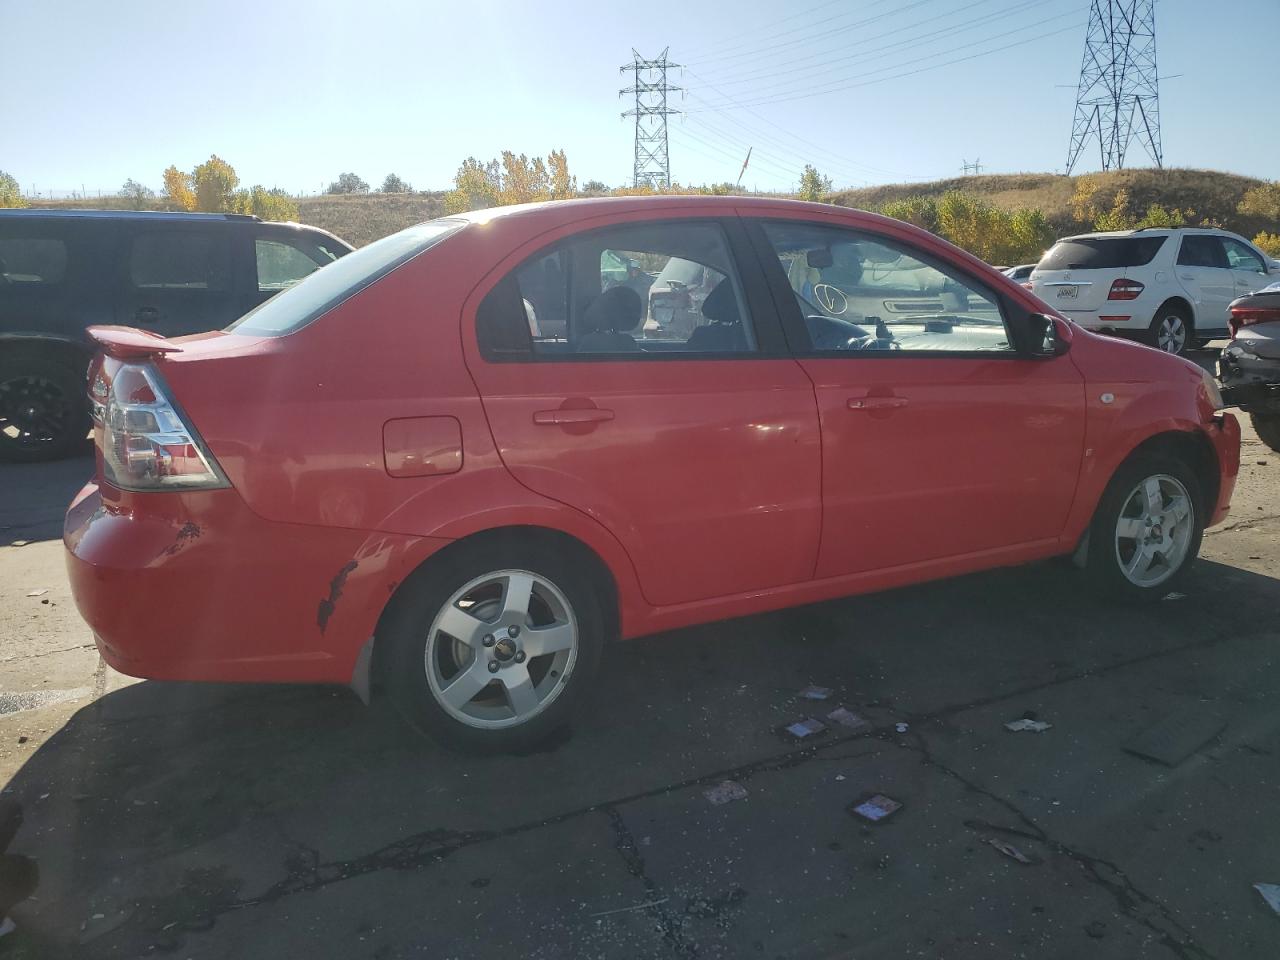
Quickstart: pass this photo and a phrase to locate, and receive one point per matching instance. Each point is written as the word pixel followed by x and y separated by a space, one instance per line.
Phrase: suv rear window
pixel 32 260
pixel 317 294
pixel 1101 253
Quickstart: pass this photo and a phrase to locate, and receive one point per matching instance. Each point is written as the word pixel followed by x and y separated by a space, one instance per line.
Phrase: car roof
pixel 584 207
pixel 1149 232
pixel 40 213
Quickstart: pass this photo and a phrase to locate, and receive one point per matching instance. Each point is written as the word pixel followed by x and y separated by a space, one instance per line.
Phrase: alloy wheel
pixel 501 649
pixel 1154 531
pixel 34 411
pixel 1171 335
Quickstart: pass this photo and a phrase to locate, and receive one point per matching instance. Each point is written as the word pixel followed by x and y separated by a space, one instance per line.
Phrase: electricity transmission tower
pixel 652 164
pixel 968 168
pixel 1117 97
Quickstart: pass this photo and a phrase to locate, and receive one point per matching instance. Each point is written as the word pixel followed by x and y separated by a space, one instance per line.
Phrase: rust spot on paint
pixel 188 532
pixel 330 603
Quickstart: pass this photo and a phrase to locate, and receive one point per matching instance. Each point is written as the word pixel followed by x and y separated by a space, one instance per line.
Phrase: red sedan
pixel 454 463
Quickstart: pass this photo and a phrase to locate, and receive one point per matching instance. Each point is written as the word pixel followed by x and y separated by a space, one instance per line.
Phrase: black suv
pixel 175 273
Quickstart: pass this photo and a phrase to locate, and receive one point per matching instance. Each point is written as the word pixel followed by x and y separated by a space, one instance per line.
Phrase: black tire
pixel 44 410
pixel 1104 563
pixel 1176 316
pixel 405 634
pixel 1267 426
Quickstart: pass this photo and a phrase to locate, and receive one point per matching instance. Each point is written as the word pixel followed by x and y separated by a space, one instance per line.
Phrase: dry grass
pixel 1209 193
pixel 363 218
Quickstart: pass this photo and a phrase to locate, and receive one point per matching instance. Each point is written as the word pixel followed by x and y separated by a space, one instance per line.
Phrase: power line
pixel 1119 83
pixel 818 91
pixel 733 38
pixel 837 81
pixel 864 53
pixel 652 160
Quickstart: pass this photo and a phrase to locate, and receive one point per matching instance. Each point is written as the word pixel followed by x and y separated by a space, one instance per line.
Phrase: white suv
pixel 1170 287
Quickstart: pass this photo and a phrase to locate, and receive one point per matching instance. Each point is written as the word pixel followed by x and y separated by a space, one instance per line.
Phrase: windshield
pixel 323 290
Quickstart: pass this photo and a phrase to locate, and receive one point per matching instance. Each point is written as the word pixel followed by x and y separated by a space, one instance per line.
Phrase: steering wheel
pixel 831 299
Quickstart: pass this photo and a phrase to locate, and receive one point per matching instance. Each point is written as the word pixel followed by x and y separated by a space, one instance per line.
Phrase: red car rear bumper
pixel 198 587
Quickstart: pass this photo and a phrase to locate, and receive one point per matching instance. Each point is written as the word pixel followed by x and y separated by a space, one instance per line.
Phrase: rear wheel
pixel 1172 330
pixel 1267 426
pixel 1147 528
pixel 496 650
pixel 43 410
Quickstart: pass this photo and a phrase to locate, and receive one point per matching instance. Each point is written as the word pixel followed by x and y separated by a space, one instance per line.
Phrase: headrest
pixel 721 305
pixel 619 309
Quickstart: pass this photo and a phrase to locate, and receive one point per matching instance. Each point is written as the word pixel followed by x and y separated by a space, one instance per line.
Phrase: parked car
pixel 385 478
pixel 1169 288
pixel 173 273
pixel 1021 273
pixel 1250 365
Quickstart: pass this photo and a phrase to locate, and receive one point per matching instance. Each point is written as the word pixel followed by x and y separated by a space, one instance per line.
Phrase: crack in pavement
pixel 1241 524
pixel 308 874
pixel 672 928
pixel 1130 901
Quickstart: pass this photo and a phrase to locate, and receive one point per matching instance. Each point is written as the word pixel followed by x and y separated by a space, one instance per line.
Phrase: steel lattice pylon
pixel 1118 97
pixel 653 163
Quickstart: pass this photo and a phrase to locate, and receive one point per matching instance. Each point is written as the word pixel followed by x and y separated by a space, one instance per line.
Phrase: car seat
pixel 609 320
pixel 724 333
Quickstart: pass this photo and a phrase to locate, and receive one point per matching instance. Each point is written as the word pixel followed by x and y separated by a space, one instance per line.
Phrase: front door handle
pixel 581 415
pixel 147 314
pixel 877 403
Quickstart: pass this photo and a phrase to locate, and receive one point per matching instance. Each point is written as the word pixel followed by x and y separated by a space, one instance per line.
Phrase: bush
pixel 10 193
pixel 1268 243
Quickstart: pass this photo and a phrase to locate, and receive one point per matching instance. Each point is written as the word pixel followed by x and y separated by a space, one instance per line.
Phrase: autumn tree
pixel 594 188
pixel 273 204
pixel 393 184
pixel 476 185
pixel 348 183
pixel 215 185
pixel 1268 243
pixel 139 196
pixel 1262 201
pixel 178 193
pixel 10 193
pixel 563 184
pixel 813 185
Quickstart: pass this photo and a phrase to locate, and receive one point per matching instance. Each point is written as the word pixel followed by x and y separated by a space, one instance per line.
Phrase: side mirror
pixel 1047 337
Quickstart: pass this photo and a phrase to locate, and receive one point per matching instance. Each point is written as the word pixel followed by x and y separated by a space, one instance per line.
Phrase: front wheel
pixel 1267 426
pixel 1147 528
pixel 496 650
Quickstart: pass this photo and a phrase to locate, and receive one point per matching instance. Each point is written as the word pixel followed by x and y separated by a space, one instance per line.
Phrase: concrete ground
pixel 241 821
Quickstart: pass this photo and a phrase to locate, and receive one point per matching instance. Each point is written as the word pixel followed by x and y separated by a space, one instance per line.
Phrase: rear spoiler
pixel 130 343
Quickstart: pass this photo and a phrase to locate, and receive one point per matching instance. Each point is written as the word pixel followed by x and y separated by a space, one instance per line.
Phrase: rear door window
pixel 281 264
pixel 32 261
pixel 1199 250
pixel 1101 253
pixel 180 261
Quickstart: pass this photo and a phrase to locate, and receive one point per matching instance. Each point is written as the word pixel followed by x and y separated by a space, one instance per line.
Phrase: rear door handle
pixel 877 403
pixel 584 415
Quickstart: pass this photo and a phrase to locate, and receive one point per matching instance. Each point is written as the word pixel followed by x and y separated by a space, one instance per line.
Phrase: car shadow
pixel 36 496
pixel 162 809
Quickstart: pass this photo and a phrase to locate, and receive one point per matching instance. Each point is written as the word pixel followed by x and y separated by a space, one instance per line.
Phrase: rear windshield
pixel 1101 253
pixel 323 290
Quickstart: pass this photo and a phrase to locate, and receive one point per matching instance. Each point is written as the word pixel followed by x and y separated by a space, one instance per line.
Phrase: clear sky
pixel 292 93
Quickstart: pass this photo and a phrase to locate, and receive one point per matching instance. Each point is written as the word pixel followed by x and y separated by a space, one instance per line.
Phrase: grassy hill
pixel 1211 194
pixel 361 218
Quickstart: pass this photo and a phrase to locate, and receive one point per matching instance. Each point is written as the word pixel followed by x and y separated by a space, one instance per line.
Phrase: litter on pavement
pixel 725 792
pixel 876 808
pixel 1177 736
pixel 1035 726
pixel 1010 851
pixel 1175 596
pixel 808 727
pixel 900 727
pixel 847 718
pixel 816 693
pixel 37 593
pixel 1270 893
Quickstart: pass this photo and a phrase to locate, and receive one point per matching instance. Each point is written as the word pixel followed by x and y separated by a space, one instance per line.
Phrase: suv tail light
pixel 1248 316
pixel 145 441
pixel 1124 290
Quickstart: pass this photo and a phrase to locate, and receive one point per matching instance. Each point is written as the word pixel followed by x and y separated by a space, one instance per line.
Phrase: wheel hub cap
pixel 505 649
pixel 1154 531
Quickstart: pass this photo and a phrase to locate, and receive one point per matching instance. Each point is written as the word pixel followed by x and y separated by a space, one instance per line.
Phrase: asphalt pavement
pixel 209 821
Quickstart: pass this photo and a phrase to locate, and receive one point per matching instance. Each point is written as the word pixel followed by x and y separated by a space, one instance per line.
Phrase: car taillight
pixel 1248 316
pixel 1124 290
pixel 146 444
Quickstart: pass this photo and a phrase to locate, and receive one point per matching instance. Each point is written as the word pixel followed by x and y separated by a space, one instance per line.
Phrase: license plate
pixel 1068 293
